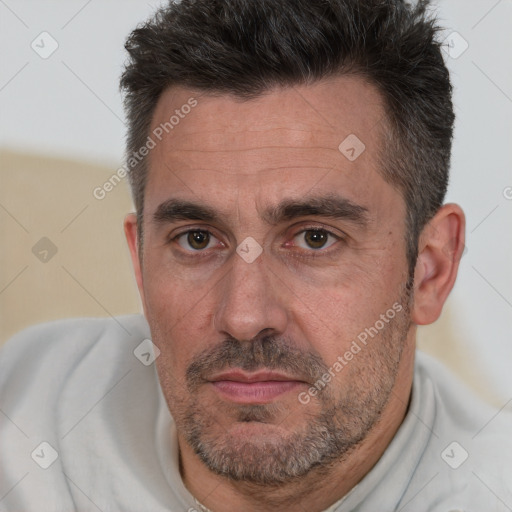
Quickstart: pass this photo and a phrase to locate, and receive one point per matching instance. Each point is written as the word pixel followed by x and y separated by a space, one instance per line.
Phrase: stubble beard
pixel 328 432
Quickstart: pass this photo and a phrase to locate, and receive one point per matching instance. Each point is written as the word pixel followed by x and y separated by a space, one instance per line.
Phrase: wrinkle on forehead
pixel 301 126
pixel 247 154
pixel 346 103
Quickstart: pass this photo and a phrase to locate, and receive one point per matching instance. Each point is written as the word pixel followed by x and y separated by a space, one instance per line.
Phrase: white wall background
pixel 69 105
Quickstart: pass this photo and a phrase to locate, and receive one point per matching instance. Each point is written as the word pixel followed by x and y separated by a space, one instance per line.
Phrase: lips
pixel 253 388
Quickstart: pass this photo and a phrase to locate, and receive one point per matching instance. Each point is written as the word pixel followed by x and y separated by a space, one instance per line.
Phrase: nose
pixel 249 302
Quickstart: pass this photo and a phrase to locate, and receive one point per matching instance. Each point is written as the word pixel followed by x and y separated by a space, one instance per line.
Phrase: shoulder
pixel 457 406
pixel 470 449
pixel 40 362
pixel 73 392
pixel 65 341
pixel 67 332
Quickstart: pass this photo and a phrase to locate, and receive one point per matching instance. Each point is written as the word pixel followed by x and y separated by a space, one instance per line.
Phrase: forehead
pixel 323 135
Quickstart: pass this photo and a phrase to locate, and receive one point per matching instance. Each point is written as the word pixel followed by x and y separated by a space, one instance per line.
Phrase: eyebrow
pixel 332 206
pixel 174 209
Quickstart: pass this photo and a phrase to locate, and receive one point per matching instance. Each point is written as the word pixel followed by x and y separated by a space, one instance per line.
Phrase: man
pixel 288 162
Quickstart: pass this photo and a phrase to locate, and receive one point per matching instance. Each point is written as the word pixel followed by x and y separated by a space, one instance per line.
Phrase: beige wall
pixel 90 275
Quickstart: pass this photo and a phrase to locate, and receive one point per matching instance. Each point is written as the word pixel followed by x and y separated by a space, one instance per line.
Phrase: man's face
pixel 268 252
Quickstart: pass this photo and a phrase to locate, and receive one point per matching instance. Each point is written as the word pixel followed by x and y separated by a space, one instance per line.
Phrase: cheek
pixel 179 314
pixel 332 315
pixel 328 319
pixel 175 293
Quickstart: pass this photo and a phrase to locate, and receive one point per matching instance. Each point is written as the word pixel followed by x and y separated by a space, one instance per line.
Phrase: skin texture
pixel 294 309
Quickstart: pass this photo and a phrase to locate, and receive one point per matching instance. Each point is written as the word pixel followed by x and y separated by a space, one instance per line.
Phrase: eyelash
pixel 197 253
pixel 312 253
pixel 318 253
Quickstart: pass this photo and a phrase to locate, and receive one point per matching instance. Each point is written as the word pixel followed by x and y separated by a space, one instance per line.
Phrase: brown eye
pixel 315 239
pixel 195 240
pixel 198 239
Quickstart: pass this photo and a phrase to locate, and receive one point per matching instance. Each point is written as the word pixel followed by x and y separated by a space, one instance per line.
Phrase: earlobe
pixel 440 249
pixel 131 233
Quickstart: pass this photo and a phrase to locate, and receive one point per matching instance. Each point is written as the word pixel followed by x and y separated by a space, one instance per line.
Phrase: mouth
pixel 253 388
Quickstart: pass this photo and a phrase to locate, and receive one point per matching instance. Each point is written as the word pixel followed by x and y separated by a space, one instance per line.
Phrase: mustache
pixel 268 352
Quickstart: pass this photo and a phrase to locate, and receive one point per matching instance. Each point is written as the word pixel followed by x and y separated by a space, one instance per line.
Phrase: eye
pixel 314 239
pixel 196 240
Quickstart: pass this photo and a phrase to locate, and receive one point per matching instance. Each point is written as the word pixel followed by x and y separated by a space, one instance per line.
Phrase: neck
pixel 321 487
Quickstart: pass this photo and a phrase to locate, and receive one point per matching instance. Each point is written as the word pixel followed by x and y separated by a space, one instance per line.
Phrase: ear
pixel 132 237
pixel 441 245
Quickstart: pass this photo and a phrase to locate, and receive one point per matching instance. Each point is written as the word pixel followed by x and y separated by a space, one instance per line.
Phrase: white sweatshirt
pixel 84 427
